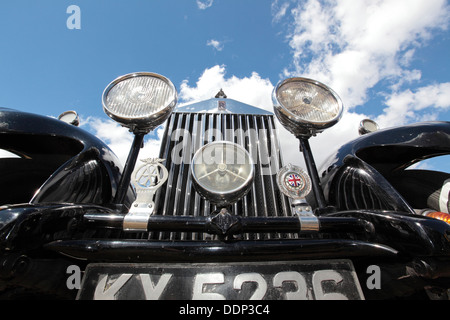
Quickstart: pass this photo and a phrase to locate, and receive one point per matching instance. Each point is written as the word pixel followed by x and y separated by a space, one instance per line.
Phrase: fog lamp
pixel 140 101
pixel 305 107
pixel 222 172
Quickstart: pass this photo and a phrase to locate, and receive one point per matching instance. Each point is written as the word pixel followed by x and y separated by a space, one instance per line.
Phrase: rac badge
pixel 294 182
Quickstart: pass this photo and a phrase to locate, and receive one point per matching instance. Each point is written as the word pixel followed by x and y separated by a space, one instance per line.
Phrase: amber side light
pixel 439 215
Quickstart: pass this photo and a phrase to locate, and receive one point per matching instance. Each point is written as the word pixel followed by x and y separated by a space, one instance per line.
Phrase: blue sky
pixel 387 59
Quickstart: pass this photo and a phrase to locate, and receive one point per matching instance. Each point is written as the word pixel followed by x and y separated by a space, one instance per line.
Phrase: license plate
pixel 294 280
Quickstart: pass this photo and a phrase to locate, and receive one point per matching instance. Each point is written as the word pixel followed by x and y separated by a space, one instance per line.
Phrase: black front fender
pixel 358 175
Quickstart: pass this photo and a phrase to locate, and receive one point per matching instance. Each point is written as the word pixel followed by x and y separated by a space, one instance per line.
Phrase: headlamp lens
pixel 309 102
pixel 305 106
pixel 222 172
pixel 140 99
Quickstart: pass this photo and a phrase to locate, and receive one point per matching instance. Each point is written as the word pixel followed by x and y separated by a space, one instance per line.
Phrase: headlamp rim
pixel 296 124
pixel 148 123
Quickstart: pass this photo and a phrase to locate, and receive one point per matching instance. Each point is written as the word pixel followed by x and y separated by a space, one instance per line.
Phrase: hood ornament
pixel 147 179
pixel 221 95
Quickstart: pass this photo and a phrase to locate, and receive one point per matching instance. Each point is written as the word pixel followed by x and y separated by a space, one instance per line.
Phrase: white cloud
pixel 279 11
pixel 119 139
pixel 215 44
pixel 353 45
pixel 252 90
pixel 204 4
pixel 350 45
pixel 421 105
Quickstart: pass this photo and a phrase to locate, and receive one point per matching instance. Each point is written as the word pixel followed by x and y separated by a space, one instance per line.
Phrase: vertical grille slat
pixel 188 132
pixel 276 152
pixel 269 173
pixel 260 170
pixel 179 188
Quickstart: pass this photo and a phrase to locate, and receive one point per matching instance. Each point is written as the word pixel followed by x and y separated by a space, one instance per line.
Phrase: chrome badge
pixel 294 182
pixel 147 179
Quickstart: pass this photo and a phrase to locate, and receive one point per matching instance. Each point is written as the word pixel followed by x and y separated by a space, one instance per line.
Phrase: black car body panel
pixel 60 163
pixel 375 166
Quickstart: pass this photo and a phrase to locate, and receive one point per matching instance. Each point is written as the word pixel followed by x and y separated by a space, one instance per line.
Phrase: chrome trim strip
pixel 211 106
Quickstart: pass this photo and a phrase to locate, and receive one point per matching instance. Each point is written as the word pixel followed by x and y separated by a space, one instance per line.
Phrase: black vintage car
pixel 217 214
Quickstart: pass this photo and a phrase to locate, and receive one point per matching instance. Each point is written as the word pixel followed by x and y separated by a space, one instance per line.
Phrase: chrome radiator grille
pixel 185 133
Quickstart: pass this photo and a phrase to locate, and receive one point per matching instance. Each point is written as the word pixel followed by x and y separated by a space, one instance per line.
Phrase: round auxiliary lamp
pixel 139 101
pixel 306 107
pixel 222 172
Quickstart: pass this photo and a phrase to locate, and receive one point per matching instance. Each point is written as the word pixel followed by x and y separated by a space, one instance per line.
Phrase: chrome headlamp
pixel 222 172
pixel 140 101
pixel 306 107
